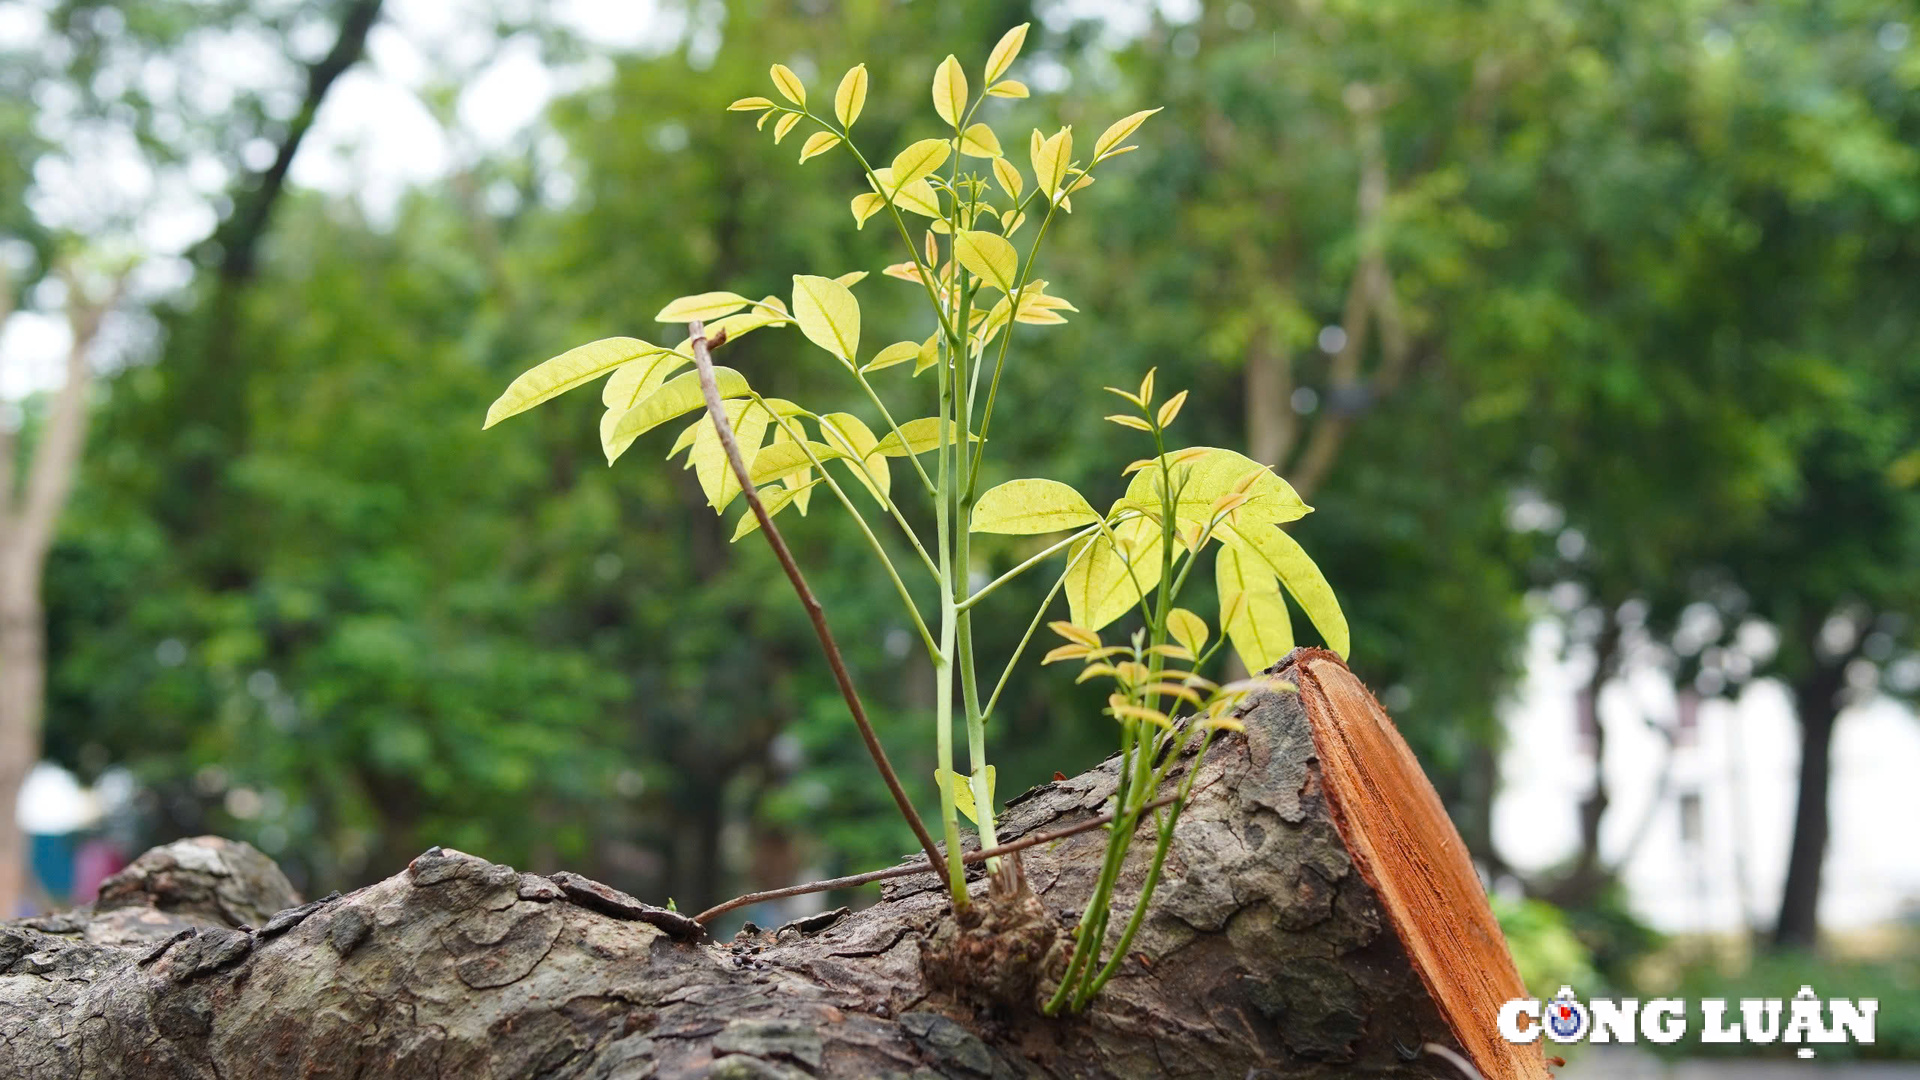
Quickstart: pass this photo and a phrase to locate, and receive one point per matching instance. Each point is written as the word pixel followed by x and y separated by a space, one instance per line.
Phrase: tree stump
pixel 1319 918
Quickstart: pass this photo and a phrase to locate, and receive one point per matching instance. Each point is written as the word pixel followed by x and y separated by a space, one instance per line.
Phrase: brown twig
pixel 703 363
pixel 911 869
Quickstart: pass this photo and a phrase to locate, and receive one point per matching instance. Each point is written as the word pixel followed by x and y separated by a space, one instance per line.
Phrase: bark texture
pixel 1267 954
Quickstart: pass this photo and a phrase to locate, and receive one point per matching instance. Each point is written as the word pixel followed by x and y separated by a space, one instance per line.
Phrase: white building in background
pixel 1714 851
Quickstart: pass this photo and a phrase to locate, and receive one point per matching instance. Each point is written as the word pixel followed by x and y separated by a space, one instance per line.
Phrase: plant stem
pixel 703 363
pixel 969 858
pixel 1051 550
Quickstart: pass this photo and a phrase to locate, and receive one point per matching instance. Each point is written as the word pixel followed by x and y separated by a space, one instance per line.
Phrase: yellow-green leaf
pixel 950 90
pixel 980 141
pixel 750 421
pixel 775 500
pixel 852 278
pixel 852 95
pixel 562 373
pixel 785 125
pixel 1007 88
pixel 1252 613
pixel 1099 587
pixel 962 789
pixel 1121 130
pixel 897 353
pixel 633 381
pixel 921 435
pixel 748 104
pixel 1171 409
pixel 989 256
pixel 784 457
pixel 1001 58
pixel 929 354
pixel 676 397
pixel 1284 556
pixel 1050 160
pixel 1188 629
pixel 770 311
pixel 1009 176
pixel 851 436
pixel 919 198
pixel 1129 422
pixel 818 143
pixel 703 307
pixel 1212 472
pixel 789 84
pixel 866 205
pixel 917 161
pixel 1025 507
pixel 828 314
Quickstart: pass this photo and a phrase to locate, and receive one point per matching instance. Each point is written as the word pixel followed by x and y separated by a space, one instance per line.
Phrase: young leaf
pixel 562 373
pixel 1282 555
pixel 852 278
pixel 897 353
pixel 919 198
pixel 963 790
pixel 1025 507
pixel 1099 587
pixel 703 306
pixel 866 205
pixel 1188 629
pixel 950 91
pixel 1212 472
pixel 828 314
pixel 750 421
pixel 1001 58
pixel 852 95
pixel 989 257
pixel 1121 130
pixel 1079 634
pixel 677 397
pixel 1129 422
pixel 851 436
pixel 784 457
pixel 1007 88
pixel 789 84
pixel 928 356
pixel 922 435
pixel 1251 611
pixel 1171 409
pixel 818 143
pixel 1051 156
pixel 634 380
pixel 785 125
pixel 748 104
pixel 980 141
pixel 918 160
pixel 1009 176
pixel 775 500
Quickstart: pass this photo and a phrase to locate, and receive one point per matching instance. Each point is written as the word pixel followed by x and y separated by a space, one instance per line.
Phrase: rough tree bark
pixel 1318 919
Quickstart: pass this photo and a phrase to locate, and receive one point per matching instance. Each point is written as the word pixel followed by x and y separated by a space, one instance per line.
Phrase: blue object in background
pixel 51 860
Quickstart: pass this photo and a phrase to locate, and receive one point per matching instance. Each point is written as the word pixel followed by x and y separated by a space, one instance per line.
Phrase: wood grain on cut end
pixel 1407 849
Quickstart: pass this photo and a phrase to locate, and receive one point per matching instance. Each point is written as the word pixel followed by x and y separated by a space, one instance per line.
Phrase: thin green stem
pixel 885 500
pixel 1032 627
pixel 912 459
pixel 1052 550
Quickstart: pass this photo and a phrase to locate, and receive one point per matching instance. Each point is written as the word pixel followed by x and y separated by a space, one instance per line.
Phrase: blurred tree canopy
pixel 1650 267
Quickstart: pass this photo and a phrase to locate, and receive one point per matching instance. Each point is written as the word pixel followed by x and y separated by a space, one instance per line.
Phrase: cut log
pixel 1318 919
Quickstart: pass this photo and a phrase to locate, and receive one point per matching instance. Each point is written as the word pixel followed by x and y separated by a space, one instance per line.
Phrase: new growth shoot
pixel 963 209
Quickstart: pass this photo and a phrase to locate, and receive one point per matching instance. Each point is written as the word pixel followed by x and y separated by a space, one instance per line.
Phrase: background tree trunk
pixel 1288 940
pixel 1816 699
